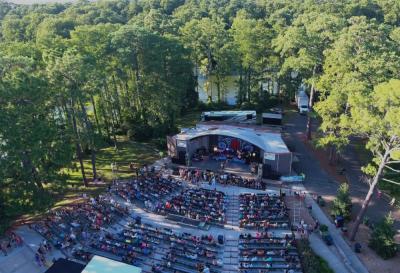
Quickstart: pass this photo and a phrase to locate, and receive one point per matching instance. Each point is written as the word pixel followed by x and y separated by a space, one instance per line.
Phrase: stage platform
pixel 240 169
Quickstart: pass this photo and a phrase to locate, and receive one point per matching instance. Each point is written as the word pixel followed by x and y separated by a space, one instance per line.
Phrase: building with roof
pixel 261 145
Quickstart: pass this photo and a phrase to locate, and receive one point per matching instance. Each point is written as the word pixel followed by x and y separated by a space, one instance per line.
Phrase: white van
pixel 302 104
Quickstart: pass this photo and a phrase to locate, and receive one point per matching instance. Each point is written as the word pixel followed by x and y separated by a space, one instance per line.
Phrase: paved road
pixel 320 182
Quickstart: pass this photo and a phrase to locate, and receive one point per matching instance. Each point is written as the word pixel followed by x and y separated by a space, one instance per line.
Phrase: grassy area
pixel 128 151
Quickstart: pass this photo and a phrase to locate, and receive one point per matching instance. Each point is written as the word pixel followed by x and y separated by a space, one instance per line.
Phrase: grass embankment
pixel 63 194
pixel 128 151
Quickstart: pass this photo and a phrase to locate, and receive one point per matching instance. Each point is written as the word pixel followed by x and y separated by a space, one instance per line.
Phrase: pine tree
pixel 342 203
pixel 382 238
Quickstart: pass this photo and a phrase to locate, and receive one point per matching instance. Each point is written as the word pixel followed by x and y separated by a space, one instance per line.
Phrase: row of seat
pixel 265 252
pixel 263 210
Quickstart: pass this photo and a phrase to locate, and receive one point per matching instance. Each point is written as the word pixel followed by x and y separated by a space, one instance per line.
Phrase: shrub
pixel 213 106
pixel 382 238
pixel 311 262
pixel 140 131
pixel 323 228
pixel 342 203
pixel 161 143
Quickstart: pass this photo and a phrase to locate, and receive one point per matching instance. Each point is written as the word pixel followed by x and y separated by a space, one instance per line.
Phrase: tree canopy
pixel 75 75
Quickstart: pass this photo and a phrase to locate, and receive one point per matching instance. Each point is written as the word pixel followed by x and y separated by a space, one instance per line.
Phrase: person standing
pixel 3 249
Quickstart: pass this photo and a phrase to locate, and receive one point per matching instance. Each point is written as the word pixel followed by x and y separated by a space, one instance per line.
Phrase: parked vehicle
pixel 302 104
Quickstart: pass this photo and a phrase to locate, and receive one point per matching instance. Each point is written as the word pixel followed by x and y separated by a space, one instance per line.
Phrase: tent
pixel 104 265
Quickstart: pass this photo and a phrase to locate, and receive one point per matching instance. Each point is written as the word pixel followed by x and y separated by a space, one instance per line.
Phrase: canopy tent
pixel 104 265
pixel 267 141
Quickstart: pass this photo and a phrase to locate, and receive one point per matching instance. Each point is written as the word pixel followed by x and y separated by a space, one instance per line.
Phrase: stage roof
pixel 269 142
pixel 272 115
pixel 233 113
pixel 104 265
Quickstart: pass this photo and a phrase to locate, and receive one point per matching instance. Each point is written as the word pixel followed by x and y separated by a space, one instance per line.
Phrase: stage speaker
pixel 175 171
pixel 268 173
pixel 181 160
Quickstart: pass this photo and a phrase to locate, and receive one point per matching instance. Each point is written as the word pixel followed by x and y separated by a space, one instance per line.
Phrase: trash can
pixel 339 221
pixel 357 248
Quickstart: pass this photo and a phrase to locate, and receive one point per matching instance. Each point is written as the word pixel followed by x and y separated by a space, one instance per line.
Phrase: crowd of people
pixel 185 252
pixel 265 252
pixel 67 226
pixel 196 175
pixel 199 204
pixel 40 255
pixel 129 245
pixel 10 242
pixel 149 189
pixel 81 230
pixel 263 211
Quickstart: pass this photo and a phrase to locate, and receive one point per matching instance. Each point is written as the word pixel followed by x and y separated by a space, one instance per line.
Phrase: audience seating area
pixel 265 252
pixel 149 189
pixel 201 205
pixel 263 211
pixel 184 252
pixel 196 175
pixel 93 227
pixel 69 225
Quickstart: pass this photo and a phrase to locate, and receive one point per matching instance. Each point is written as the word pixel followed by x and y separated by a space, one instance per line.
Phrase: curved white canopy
pixel 267 141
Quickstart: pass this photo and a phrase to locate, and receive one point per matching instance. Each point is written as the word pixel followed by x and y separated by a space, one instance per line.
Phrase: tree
pixel 302 46
pixel 69 73
pixel 362 56
pixel 382 238
pixel 375 117
pixel 342 203
pixel 34 139
pixel 252 41
pixel 209 43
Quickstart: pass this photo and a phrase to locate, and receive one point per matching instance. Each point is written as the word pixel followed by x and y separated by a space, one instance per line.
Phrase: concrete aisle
pixel 326 253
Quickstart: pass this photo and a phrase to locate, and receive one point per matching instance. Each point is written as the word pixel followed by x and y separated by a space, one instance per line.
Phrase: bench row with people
pixel 197 175
pixel 202 205
pixel 149 190
pixel 263 211
pixel 185 252
pixel 69 225
pixel 266 251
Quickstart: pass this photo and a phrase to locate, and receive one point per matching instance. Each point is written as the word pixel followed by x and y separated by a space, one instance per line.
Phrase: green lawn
pixel 128 151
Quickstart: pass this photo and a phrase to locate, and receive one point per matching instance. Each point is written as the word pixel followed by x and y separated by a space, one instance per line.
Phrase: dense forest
pixel 73 76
